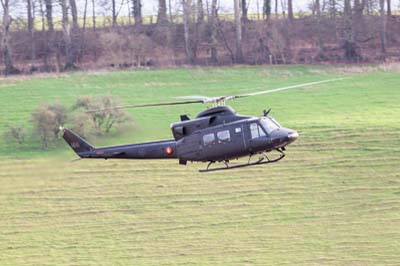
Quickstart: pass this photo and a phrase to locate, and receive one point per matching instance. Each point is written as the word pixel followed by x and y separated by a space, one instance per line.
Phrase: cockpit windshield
pixel 269 124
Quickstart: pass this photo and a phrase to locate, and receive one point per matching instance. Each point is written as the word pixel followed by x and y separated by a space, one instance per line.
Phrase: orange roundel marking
pixel 169 151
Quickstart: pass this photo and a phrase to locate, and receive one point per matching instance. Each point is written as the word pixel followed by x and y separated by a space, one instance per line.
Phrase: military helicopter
pixel 216 135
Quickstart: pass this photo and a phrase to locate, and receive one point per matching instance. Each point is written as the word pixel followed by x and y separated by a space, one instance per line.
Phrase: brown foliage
pixel 102 113
pixel 82 125
pixel 124 50
pixel 15 133
pixel 47 120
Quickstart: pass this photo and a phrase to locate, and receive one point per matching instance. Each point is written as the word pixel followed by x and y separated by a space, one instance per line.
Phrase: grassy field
pixel 333 201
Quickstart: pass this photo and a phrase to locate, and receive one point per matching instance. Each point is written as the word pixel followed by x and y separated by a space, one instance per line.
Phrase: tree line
pixel 61 35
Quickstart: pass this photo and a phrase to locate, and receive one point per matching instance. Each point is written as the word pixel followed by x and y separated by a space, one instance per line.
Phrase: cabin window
pixel 238 130
pixel 223 136
pixel 256 131
pixel 209 139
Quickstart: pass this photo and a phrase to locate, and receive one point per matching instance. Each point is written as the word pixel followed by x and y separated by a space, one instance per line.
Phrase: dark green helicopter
pixel 217 134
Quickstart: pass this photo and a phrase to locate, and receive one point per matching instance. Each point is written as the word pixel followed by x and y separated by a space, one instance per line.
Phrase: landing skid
pixel 261 160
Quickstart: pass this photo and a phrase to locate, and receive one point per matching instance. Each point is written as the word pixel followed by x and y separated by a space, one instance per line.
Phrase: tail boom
pixel 150 150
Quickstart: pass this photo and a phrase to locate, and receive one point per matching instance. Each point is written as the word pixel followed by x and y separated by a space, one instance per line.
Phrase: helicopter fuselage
pixel 219 134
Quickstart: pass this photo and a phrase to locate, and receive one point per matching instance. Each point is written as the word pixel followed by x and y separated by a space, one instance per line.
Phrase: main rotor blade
pixel 204 99
pixel 144 105
pixel 193 97
pixel 215 100
pixel 288 87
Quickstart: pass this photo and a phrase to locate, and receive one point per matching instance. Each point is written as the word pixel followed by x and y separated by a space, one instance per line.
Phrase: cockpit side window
pixel 256 131
pixel 269 124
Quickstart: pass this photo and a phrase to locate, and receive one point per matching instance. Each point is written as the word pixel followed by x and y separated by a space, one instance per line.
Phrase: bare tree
pixel 171 19
pixel 238 34
pixel 162 12
pixel 44 32
pixel 76 39
pixel 213 25
pixel 130 13
pixel 114 13
pixel 69 51
pixel 83 35
pixel 267 10
pixel 333 8
pixel 389 7
pixel 283 7
pixel 199 26
pixel 49 15
pixel 258 9
pixel 30 13
pixel 290 10
pixel 319 30
pixel 358 20
pixel 383 26
pixel 42 16
pixel 5 40
pixel 137 12
pixel 49 33
pixel 93 15
pixel 349 42
pixel 333 11
pixel 187 7
pixel 200 11
pixel 74 13
pixel 245 9
pixel 85 15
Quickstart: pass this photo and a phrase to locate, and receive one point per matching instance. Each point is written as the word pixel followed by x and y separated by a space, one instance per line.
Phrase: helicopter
pixel 216 135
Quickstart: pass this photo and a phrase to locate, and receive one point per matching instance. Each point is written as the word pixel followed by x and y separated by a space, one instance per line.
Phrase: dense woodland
pixel 61 35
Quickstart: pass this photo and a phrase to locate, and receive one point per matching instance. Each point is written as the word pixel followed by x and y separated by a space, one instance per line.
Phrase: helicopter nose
pixel 283 136
pixel 293 135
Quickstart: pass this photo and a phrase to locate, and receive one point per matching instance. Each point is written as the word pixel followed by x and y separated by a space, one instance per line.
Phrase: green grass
pixel 333 201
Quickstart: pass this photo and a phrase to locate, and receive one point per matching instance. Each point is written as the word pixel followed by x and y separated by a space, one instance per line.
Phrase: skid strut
pixel 262 160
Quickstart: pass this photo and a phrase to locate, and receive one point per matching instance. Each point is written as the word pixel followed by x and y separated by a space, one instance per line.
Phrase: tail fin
pixel 78 144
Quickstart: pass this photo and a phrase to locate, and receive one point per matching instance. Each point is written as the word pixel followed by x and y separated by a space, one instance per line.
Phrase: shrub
pixel 113 46
pixel 102 113
pixel 140 49
pixel 15 133
pixel 82 125
pixel 47 120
